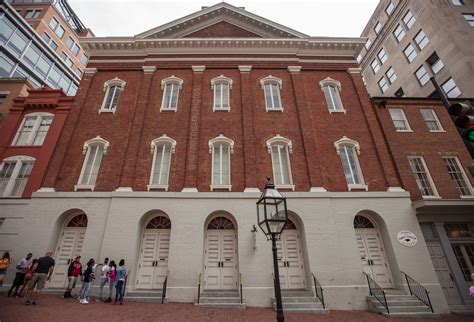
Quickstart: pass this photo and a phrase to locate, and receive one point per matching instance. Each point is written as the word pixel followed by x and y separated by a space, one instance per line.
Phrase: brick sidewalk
pixel 52 308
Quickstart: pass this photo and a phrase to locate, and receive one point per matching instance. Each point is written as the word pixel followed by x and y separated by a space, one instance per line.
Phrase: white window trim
pixel 154 143
pixel 404 117
pixel 32 135
pixel 428 174
pixel 278 139
pixel 437 121
pixel 107 86
pixel 465 177
pixel 221 139
pixel 217 81
pixel 355 145
pixel 19 159
pixel 86 150
pixel 168 81
pixel 337 84
pixel 272 80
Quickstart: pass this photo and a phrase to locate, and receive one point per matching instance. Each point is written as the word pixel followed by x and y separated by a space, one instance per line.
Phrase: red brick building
pixel 432 161
pixel 168 144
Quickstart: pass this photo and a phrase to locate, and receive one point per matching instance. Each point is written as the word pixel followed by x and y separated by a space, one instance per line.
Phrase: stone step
pixel 307 311
pixel 302 305
pixel 298 299
pixel 395 292
pixel 223 305
pixel 299 293
pixel 220 294
pixel 404 309
pixel 415 315
pixel 145 296
pixel 235 300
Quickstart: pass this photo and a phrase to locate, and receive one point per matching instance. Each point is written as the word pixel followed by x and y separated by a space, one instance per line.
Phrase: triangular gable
pixel 222 29
pixel 220 15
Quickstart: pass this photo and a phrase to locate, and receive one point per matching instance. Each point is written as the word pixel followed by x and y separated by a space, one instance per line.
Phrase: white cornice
pixel 320 46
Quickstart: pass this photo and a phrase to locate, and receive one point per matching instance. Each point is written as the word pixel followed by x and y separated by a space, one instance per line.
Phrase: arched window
pixel 220 223
pixel 221 148
pixel 170 87
pixel 221 86
pixel 271 89
pixel 331 89
pixel 112 89
pixel 94 150
pixel 361 222
pixel 348 150
pixel 280 148
pixel 159 222
pixel 14 174
pixel 33 129
pixel 79 221
pixel 162 148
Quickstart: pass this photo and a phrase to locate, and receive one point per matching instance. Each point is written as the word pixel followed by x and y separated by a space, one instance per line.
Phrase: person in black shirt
pixel 42 273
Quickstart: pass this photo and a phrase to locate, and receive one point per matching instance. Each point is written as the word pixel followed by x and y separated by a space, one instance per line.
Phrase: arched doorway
pixel 372 254
pixel 154 251
pixel 68 248
pixel 220 254
pixel 290 258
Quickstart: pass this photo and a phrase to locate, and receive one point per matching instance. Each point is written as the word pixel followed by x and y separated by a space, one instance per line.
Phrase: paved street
pixel 52 308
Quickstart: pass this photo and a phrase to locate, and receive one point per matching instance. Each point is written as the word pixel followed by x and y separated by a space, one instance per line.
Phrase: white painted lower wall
pixel 325 219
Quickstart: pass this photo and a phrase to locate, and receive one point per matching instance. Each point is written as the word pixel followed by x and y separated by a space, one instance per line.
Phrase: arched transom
pixel 159 222
pixel 78 221
pixel 220 223
pixel 362 222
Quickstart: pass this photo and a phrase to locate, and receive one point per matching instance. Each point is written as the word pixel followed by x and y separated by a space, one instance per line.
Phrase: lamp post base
pixel 280 316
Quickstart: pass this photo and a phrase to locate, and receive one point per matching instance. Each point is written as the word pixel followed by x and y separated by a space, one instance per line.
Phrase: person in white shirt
pixel 104 274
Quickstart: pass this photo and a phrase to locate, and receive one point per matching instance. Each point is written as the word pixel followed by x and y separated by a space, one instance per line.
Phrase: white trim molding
pixel 171 79
pixel 88 71
pixel 115 81
pixel 330 81
pixel 199 68
pixel 149 69
pixel 271 79
pixel 245 68
pixel 294 69
pixel 163 139
pixel 221 79
pixel 221 138
pixel 279 139
pixel 333 98
pixel 354 71
pixel 107 86
pixel 346 140
pixel 94 141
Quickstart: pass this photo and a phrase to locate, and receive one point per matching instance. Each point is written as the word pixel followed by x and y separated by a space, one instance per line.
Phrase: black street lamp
pixel 272 216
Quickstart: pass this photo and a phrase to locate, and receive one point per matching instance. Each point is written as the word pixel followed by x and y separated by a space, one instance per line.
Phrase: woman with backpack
pixel 112 280
pixel 88 277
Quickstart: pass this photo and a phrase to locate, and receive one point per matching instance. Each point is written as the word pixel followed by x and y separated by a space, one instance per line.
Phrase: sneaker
pixel 80 300
pixel 84 302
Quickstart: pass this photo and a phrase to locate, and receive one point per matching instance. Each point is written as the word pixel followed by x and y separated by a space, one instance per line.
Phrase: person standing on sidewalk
pixel 104 276
pixel 43 271
pixel 22 268
pixel 5 261
pixel 87 283
pixel 73 272
pixel 24 290
pixel 112 279
pixel 121 272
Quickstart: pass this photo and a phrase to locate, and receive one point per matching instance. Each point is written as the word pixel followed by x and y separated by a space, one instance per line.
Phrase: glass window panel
pixel 43 65
pixel 26 130
pixel 64 83
pixel 421 40
pixel 6 65
pixel 75 49
pixel 5 175
pixel 53 23
pixel 422 178
pixel 174 96
pixel 422 75
pixel 60 32
pixel 6 29
pixel 431 120
pixel 410 53
pixel 53 45
pixel 383 84
pixel 457 176
pixel 72 90
pixel 22 179
pixel 32 55
pixel 399 119
pixel 392 77
pixel 18 42
pixel 69 43
pixel 54 76
pixel 276 96
pixel 216 175
pixel 84 59
pixel 166 164
pixel 450 88
pixel 399 33
pixel 408 19
pixel 389 8
pixel 42 130
pixel 378 27
pixel 382 56
pixel 375 66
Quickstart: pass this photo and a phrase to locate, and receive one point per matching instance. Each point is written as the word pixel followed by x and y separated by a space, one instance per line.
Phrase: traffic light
pixel 464 119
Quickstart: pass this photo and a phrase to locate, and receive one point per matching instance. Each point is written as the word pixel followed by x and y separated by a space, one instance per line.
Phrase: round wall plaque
pixel 407 238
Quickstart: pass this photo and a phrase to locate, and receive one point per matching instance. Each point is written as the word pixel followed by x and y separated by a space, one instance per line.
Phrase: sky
pixel 333 18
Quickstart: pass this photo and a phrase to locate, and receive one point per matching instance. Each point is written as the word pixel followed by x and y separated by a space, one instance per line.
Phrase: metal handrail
pixel 318 290
pixel 165 285
pixel 199 287
pixel 418 290
pixel 377 292
pixel 241 294
pixel 125 283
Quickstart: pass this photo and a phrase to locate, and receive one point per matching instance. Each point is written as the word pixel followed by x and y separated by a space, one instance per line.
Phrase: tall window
pixel 280 148
pixel 221 148
pixel 378 27
pixel 382 56
pixel 435 63
pixel 367 44
pixel 33 129
pixel 221 86
pixel 431 120
pixel 331 89
pixel 170 87
pixel 469 18
pixel 112 89
pixel 408 19
pixel 422 176
pixel 421 39
pixel 389 8
pixel 383 84
pixel 32 13
pixel 399 120
pixel 14 174
pixel 162 148
pixel 399 33
pixel 422 75
pixel 375 65
pixel 392 77
pixel 410 53
pixel 450 88
pixel 271 88
pixel 94 150
pixel 348 150
pixel 459 177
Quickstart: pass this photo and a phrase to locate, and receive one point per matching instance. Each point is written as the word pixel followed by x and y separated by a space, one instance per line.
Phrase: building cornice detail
pixel 90 71
pixel 198 69
pixel 149 69
pixel 354 71
pixel 294 69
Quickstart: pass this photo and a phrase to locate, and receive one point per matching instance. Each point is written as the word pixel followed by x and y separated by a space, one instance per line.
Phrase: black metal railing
pixel 165 284
pixel 318 290
pixel 377 292
pixel 199 287
pixel 418 290
pixel 125 284
pixel 241 294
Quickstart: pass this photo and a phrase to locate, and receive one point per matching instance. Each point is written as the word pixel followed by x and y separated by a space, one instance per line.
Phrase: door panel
pixel 220 260
pixel 70 246
pixel 161 266
pixel 444 273
pixel 153 263
pixel 290 260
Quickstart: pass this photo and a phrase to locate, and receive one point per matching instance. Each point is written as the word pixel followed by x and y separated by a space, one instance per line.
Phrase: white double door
pixel 372 256
pixel 220 259
pixel 153 263
pixel 69 247
pixel 290 260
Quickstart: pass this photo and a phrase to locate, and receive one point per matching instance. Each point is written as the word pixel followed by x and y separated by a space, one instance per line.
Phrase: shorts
pixel 72 282
pixel 38 280
pixel 19 279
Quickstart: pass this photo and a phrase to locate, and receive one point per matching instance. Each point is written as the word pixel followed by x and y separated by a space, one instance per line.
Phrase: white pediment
pixel 219 13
